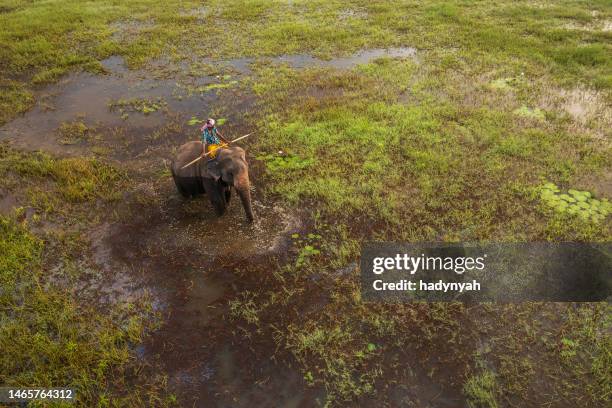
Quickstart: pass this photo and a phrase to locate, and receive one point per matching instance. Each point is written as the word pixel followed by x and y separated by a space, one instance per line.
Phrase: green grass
pixel 47 39
pixel 394 150
pixel 73 132
pixel 51 337
pixel 588 351
pixel 445 168
pixel 52 333
pixel 55 183
pixel 480 391
pixel 455 163
pixel 340 371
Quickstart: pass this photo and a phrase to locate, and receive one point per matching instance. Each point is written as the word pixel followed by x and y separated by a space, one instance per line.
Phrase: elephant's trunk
pixel 243 189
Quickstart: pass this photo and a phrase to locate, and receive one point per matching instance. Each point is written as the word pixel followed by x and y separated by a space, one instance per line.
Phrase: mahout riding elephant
pixel 214 178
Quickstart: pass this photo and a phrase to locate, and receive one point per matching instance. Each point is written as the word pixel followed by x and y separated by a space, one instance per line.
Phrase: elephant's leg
pixel 215 193
pixel 228 194
pixel 180 185
pixel 182 191
pixel 219 204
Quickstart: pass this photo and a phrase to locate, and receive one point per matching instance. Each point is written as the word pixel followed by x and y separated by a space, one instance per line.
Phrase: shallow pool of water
pixel 306 61
pixel 86 98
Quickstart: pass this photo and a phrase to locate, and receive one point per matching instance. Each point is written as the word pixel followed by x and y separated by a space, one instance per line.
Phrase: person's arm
pixel 221 137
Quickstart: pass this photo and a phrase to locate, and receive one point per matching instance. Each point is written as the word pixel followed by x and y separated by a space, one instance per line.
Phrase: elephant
pixel 214 178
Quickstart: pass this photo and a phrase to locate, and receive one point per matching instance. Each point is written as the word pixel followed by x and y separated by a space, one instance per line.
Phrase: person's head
pixel 210 123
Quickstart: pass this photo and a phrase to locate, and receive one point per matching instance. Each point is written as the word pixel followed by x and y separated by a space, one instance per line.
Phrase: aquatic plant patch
pixel 580 204
pixel 73 132
pixel 194 121
pixel 216 86
pixel 142 105
pixel 308 245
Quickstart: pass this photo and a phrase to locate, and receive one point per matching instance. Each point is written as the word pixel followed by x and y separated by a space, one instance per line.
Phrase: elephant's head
pixel 230 169
pixel 234 171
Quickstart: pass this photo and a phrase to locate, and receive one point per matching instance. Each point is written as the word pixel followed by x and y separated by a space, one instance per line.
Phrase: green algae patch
pixel 580 204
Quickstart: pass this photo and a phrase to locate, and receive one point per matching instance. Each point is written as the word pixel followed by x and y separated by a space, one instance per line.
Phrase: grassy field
pixel 460 143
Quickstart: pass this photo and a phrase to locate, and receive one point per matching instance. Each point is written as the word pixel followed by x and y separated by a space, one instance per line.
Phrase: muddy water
pixel 189 260
pixel 363 57
pixel 8 202
pixel 306 61
pixel 86 97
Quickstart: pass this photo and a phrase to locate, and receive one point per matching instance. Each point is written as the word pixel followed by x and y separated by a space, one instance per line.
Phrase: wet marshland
pixel 190 262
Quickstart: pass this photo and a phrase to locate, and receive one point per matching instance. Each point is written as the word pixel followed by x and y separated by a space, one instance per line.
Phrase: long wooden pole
pixel 206 154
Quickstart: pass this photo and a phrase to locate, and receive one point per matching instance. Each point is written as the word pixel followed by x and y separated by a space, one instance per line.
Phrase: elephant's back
pixel 185 154
pixel 189 150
